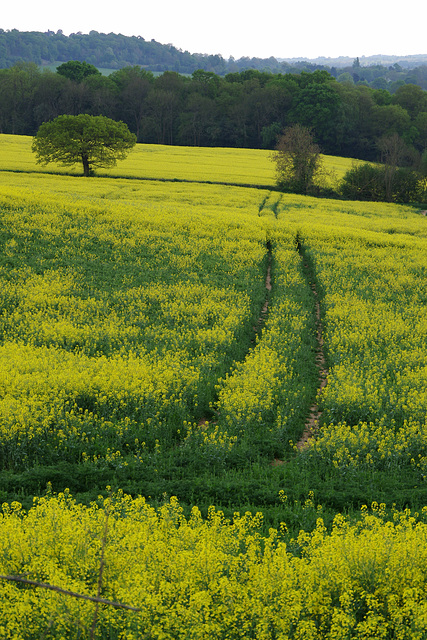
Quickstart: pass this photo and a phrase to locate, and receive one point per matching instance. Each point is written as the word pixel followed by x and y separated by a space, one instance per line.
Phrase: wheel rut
pixel 312 422
pixel 260 321
pixel 311 425
pixel 264 310
pixel 313 419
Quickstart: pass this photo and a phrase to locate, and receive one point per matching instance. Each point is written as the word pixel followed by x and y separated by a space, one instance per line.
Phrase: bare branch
pixel 101 573
pixel 52 587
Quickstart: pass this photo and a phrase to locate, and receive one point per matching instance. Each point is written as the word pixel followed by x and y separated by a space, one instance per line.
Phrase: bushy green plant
pixel 363 182
pixel 297 159
pixel 368 182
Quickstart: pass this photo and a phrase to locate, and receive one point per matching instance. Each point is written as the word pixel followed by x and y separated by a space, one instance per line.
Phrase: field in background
pixel 142 350
pixel 162 162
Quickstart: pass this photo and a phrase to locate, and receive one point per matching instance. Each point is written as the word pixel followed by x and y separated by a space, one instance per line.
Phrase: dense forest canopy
pixel 243 109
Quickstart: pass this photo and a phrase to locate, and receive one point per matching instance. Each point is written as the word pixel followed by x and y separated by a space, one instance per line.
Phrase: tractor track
pixel 313 419
pixel 259 323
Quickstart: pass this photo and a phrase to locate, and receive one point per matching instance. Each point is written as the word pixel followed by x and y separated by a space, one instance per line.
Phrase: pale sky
pixel 279 28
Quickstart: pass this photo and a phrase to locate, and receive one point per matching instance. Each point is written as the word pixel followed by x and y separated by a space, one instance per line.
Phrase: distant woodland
pixel 348 109
pixel 114 51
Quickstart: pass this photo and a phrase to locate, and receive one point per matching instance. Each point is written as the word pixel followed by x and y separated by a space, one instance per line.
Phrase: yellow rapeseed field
pixel 208 577
pixel 163 162
pixel 133 342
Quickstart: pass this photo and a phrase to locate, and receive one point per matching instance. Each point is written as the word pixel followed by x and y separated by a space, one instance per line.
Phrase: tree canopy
pixel 95 141
pixel 247 109
pixel 76 70
pixel 297 160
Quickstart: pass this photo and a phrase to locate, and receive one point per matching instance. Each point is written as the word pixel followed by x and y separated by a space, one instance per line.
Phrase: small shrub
pixel 364 182
pixel 368 182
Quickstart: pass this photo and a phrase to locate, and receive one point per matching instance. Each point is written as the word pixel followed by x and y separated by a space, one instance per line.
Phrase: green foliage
pixel 246 108
pixel 369 182
pixel 363 182
pixel 317 106
pixel 298 161
pixel 407 186
pixel 76 70
pixel 96 141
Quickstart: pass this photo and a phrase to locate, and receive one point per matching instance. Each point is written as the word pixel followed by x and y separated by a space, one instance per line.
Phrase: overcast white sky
pixel 279 28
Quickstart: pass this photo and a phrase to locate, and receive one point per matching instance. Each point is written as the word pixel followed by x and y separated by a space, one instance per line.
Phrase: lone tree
pixel 393 150
pixel 76 70
pixel 298 160
pixel 95 141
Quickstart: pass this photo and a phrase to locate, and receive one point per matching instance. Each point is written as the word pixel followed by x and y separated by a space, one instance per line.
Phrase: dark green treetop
pixel 76 70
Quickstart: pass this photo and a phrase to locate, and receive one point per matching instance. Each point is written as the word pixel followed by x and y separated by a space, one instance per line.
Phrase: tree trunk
pixel 86 166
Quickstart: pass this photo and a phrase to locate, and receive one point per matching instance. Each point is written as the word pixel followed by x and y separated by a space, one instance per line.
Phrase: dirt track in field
pixel 263 314
pixel 204 422
pixel 313 419
pixel 312 422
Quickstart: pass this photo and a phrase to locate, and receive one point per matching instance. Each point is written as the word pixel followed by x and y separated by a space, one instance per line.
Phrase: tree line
pixel 114 51
pixel 242 109
pixel 109 51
